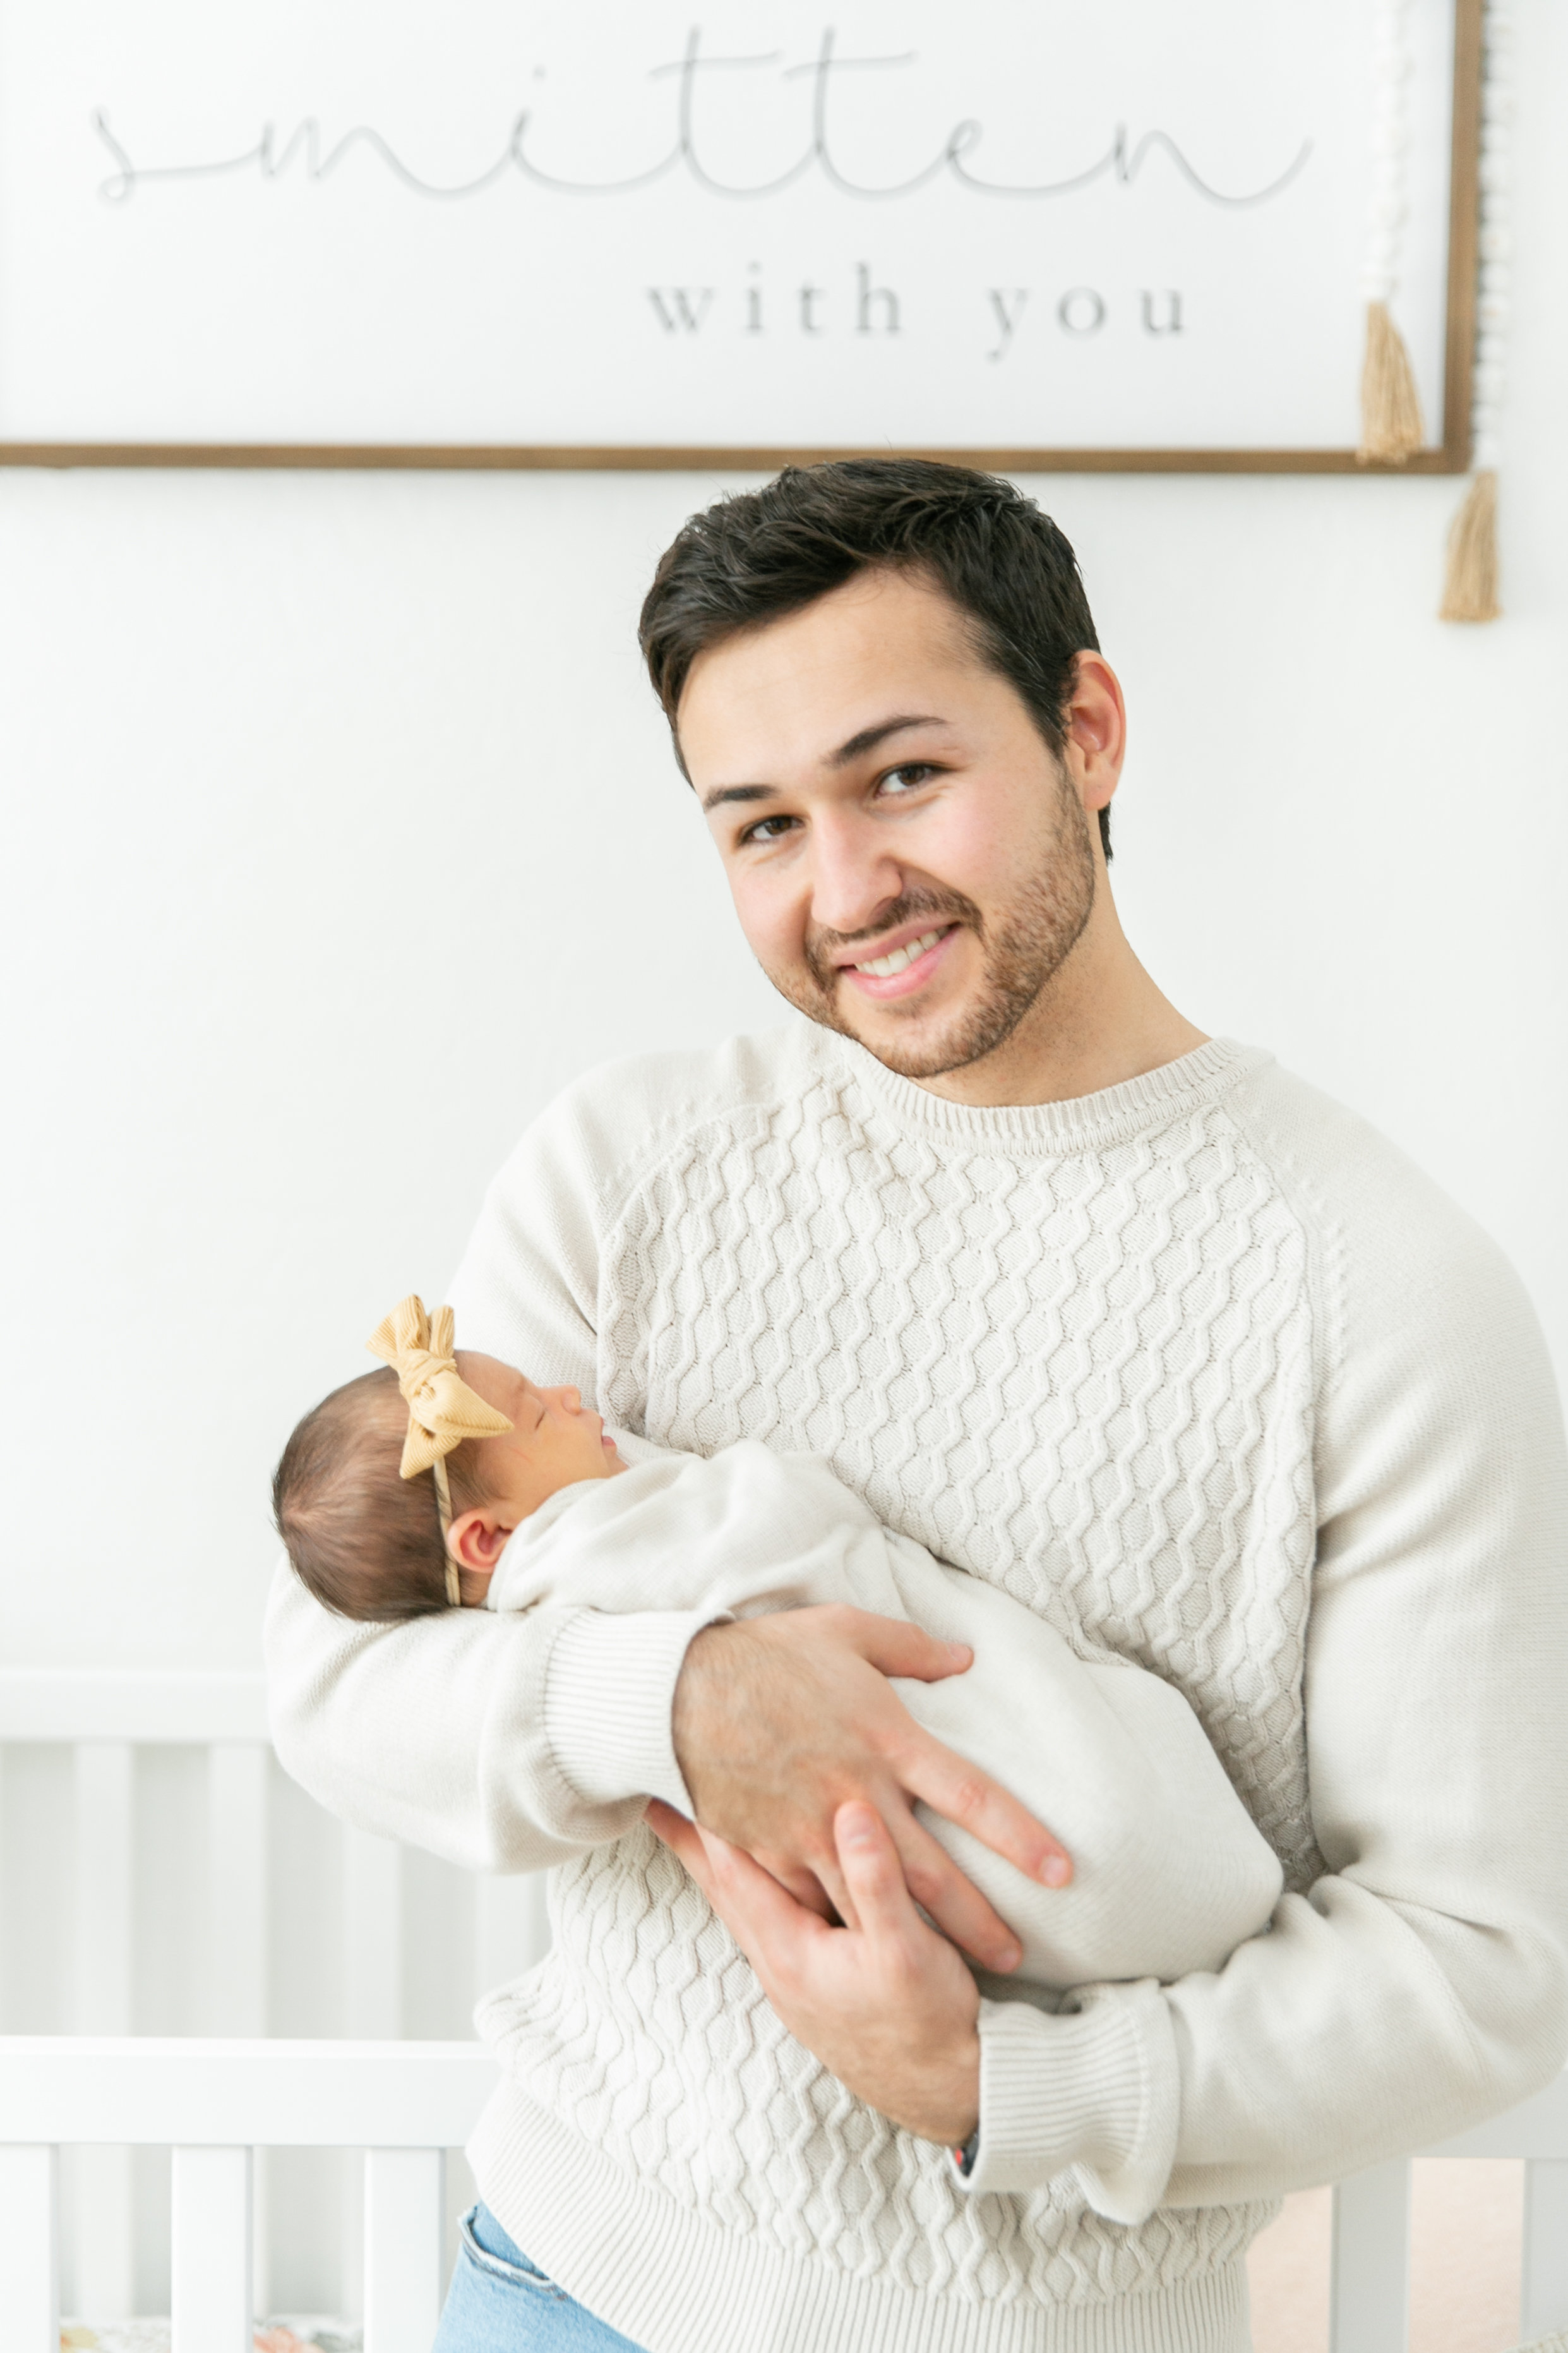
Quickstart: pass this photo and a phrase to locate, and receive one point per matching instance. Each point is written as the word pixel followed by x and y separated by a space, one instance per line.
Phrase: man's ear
pixel 1096 731
pixel 477 1540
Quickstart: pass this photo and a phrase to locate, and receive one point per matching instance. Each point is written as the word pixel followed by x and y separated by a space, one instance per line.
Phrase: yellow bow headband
pixel 442 1408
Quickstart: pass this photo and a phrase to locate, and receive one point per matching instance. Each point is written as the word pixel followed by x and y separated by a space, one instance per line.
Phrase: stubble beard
pixel 1022 950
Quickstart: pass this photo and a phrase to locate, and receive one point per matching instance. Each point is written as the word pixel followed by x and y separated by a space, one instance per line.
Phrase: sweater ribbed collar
pixel 1083 1123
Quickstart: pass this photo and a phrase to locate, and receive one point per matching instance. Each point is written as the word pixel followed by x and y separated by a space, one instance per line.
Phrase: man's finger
pixel 748 1891
pixel 801 1881
pixel 873 1874
pixel 777 1934
pixel 707 1858
pixel 961 1793
pixel 765 1919
pixel 896 1648
pixel 949 1785
pixel 953 1901
pixel 678 1834
pixel 835 1893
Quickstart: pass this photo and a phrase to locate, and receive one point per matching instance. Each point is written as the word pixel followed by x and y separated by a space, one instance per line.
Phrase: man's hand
pixel 781 1721
pixel 886 2006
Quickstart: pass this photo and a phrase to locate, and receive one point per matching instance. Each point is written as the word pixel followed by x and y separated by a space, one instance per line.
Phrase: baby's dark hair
pixel 363 1539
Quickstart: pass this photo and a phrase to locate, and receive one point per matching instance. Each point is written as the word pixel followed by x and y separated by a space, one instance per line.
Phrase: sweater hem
pixel 675 2282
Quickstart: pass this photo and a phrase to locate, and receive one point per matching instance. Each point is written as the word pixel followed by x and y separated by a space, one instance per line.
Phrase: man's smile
pixel 902 967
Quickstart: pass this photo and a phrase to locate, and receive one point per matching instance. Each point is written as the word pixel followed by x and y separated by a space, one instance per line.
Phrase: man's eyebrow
pixel 722 793
pixel 869 737
pixel 855 749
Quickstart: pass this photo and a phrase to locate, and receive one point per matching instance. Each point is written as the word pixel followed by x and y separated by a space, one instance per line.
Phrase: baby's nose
pixel 572 1400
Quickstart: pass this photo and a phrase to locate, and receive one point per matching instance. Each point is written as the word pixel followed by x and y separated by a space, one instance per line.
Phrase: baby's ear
pixel 477 1540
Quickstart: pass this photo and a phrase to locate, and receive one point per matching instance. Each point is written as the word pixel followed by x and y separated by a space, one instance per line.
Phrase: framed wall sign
pixel 600 233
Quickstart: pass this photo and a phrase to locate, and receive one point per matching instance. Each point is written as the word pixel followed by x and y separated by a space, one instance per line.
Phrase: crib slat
pixel 403 2219
pixel 238 1933
pixel 210 2251
pixel 237 1928
pixel 100 1927
pixel 1369 2310
pixel 1543 2289
pixel 373 1935
pixel 104 1840
pixel 373 2006
pixel 29 2250
pixel 236 1888
pixel 511 1926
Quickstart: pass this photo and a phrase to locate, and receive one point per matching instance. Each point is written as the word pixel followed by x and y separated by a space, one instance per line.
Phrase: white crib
pixel 228 2088
pixel 161 1877
pixel 212 2103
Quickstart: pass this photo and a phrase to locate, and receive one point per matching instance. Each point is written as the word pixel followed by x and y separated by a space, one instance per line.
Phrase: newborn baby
pixel 527 1503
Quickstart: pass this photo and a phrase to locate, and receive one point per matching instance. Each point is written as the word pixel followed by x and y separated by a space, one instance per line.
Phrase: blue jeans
pixel 500 2303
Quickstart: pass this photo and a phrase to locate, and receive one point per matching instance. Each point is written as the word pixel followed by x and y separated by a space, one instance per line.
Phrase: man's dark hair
pixel 363 1539
pixel 759 554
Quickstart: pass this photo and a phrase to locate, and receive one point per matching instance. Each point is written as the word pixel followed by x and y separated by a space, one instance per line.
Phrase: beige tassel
pixel 1391 425
pixel 1470 592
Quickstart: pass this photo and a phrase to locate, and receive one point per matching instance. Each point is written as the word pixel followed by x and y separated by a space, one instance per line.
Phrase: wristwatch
pixel 964 2158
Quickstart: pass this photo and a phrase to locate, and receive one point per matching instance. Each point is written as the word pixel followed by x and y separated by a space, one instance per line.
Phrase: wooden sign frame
pixel 1451 456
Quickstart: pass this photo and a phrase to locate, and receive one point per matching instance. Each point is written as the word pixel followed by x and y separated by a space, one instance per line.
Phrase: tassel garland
pixel 1391 424
pixel 1470 593
pixel 1392 430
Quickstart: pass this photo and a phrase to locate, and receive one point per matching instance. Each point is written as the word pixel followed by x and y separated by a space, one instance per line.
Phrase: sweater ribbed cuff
pixel 1094 2089
pixel 608 1693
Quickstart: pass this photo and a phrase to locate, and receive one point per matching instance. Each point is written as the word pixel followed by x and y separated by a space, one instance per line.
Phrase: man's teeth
pixel 885 967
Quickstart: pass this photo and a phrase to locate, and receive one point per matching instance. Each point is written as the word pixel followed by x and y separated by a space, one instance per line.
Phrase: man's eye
pixel 768 828
pixel 904 779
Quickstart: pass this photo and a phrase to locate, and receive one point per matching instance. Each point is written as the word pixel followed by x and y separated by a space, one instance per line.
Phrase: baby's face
pixel 554 1439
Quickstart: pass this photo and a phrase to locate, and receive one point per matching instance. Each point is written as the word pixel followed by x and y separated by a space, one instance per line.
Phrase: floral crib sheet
pixel 293 2336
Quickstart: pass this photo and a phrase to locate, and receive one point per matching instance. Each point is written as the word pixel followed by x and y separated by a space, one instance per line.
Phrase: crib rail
pixel 134 1705
pixel 1369 2310
pixel 1537 2131
pixel 215 2103
pixel 212 2103
pixel 172 1832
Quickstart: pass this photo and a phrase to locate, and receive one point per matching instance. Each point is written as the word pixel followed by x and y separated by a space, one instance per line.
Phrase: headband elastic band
pixel 444 1512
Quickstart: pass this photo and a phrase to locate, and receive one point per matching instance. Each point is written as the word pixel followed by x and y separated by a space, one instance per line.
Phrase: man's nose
pixel 852 875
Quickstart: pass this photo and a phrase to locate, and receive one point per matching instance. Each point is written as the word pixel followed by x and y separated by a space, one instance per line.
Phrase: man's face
pixel 910 862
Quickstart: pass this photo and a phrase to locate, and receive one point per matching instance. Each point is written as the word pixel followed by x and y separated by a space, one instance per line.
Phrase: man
pixel 1117 1317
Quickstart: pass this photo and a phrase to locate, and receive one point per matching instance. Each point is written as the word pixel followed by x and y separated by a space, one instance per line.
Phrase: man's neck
pixel 1098 1021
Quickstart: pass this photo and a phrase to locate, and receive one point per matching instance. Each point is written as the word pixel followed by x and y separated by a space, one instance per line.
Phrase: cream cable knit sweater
pixel 1170 1872
pixel 1205 1373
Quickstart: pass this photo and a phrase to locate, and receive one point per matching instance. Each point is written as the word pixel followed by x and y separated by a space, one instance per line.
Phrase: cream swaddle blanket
pixel 1170 1873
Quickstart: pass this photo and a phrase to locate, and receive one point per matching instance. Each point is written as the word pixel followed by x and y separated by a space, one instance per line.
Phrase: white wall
pixel 343 830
